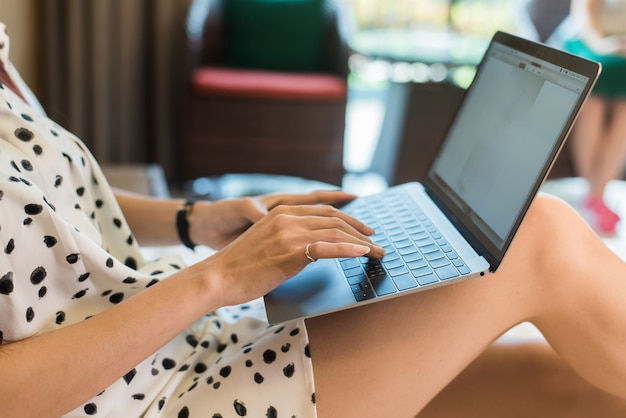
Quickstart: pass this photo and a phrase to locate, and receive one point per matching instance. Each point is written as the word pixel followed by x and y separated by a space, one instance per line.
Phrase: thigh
pixel 520 381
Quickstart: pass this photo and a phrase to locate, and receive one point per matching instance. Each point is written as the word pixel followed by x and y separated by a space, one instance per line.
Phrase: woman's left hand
pixel 218 223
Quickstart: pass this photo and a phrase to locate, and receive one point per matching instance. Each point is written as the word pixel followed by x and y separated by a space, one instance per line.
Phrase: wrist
pixel 183 215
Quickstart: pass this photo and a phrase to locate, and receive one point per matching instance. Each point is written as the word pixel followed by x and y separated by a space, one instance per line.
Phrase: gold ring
pixel 308 254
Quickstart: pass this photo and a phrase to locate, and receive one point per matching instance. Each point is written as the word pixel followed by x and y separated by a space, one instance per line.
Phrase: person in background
pixel 598 31
pixel 88 327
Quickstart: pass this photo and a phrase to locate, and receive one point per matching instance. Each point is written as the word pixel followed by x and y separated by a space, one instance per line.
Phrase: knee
pixel 553 228
pixel 548 209
pixel 550 215
pixel 543 249
pixel 557 232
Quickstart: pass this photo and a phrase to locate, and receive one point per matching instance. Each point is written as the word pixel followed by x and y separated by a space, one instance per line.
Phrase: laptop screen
pixel 512 123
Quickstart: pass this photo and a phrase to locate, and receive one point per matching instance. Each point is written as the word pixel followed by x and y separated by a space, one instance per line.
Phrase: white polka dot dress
pixel 67 254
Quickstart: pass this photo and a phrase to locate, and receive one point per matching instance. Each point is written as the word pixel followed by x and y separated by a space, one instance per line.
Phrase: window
pixel 464 16
pixel 422 40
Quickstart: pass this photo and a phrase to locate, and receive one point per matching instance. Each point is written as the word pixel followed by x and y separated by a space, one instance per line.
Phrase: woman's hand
pixel 273 249
pixel 216 224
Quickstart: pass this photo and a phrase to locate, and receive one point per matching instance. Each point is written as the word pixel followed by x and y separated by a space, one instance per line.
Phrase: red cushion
pixel 268 84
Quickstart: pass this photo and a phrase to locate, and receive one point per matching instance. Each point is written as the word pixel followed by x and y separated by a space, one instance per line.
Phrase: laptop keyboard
pixel 417 254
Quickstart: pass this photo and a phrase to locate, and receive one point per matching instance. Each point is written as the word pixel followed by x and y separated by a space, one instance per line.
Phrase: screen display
pixel 509 125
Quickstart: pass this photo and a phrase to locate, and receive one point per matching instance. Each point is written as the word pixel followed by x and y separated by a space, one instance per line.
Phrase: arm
pixel 81 360
pixel 151 219
pixel 585 13
pixel 214 224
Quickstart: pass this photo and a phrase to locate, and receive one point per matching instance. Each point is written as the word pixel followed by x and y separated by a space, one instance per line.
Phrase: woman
pixel 598 32
pixel 91 329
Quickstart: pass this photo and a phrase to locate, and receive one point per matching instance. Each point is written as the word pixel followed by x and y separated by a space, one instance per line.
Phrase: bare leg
pixel 610 161
pixel 520 381
pixel 599 150
pixel 392 358
pixel 587 136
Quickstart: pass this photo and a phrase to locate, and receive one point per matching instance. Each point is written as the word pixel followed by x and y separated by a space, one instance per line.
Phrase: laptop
pixel 457 223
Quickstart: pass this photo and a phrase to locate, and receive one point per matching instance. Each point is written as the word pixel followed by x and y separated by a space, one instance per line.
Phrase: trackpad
pixel 321 287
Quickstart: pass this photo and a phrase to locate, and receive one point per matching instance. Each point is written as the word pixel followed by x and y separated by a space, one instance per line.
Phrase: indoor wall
pixel 23 23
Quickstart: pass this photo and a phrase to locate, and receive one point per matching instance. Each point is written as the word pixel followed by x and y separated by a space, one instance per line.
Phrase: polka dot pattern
pixel 67 254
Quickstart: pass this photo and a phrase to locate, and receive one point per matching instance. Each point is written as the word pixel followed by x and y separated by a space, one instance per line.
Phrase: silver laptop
pixel 459 221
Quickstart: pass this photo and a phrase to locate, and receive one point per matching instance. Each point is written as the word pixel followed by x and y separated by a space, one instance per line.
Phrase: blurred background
pixel 116 72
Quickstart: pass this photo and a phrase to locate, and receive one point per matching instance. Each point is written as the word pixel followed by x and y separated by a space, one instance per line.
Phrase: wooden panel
pixel 229 135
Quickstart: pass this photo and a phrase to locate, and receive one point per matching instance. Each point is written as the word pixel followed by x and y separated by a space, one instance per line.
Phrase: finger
pixel 340 237
pixel 325 213
pixel 322 249
pixel 325 197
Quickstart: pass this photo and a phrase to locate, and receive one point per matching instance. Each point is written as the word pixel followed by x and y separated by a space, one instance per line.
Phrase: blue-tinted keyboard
pixel 417 254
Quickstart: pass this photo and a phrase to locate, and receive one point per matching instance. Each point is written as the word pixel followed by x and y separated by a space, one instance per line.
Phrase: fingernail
pixel 362 249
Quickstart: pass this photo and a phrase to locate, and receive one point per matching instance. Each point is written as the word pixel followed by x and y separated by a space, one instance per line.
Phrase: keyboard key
pixel 417 236
pixel 413 257
pixel 421 271
pixel 361 287
pixel 364 295
pixel 391 255
pixel 393 263
pixel 417 264
pixel 430 248
pixel 357 279
pixel 427 279
pixel 404 252
pixel 446 272
pixel 356 271
pixel 395 232
pixel 446 248
pixel 389 223
pixel 349 263
pixel 397 271
pixel 404 282
pixel 457 262
pixel 434 255
pixel 424 242
pixel 464 270
pixel 439 262
pixel 403 243
pixel 375 270
pixel 383 241
pixel 415 229
pixel 383 285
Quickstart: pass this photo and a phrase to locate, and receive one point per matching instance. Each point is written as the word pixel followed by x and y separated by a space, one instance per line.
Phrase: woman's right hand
pixel 273 249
